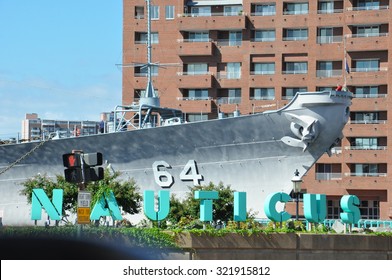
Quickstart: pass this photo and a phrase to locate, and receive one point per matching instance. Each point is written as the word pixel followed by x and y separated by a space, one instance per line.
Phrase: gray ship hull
pixel 257 154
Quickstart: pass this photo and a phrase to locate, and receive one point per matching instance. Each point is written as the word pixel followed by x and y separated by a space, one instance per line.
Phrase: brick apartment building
pixel 254 55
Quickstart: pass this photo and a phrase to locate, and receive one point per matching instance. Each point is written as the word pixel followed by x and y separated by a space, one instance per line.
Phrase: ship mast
pixel 149 98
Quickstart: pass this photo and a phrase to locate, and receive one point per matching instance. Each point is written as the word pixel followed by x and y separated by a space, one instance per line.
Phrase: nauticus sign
pixel 315 206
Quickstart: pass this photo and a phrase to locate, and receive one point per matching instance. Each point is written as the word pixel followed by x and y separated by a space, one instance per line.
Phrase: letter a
pixel 100 209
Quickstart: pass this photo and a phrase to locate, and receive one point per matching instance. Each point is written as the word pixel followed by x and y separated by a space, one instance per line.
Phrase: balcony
pixel 194 105
pixel 366 15
pixel 359 42
pixel 211 21
pixel 361 174
pixel 329 39
pixel 228 100
pixel 190 47
pixel 194 80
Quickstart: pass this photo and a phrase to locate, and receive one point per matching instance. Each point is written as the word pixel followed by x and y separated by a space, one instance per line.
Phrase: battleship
pixel 257 154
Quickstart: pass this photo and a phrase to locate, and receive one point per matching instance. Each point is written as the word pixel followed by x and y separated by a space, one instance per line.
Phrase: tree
pixel 190 207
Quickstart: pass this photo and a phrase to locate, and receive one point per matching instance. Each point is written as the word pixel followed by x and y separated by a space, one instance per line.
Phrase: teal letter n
pixel 40 200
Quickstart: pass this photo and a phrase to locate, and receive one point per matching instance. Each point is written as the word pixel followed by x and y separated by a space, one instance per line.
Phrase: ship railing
pixel 367 121
pixel 362 174
pixel 329 39
pixel 354 148
pixel 328 176
pixel 361 95
pixel 368 8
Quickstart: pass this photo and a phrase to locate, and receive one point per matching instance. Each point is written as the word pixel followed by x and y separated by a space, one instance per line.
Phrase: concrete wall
pixel 289 246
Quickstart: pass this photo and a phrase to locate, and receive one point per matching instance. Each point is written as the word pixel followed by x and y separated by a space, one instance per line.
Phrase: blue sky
pixel 58 59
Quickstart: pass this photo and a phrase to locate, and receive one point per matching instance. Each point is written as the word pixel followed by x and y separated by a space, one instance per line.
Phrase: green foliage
pixel 126 192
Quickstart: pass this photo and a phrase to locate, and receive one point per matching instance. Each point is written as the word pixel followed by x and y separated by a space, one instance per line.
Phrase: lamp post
pixel 297 189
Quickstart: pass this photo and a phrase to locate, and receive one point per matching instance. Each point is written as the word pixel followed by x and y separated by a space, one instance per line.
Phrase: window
pixel 234 70
pixel 289 93
pixel 296 8
pixel 325 69
pixel 296 68
pixel 141 38
pixel 368 4
pixel 267 68
pixel 365 169
pixel 198 36
pixel 326 7
pixel 370 209
pixel 197 68
pixel 235 38
pixel 265 10
pixel 169 12
pixel 142 71
pixel 367 91
pixel 154 12
pixel 139 12
pixel 201 11
pixel 367 65
pixel 234 95
pixel 232 10
pixel 264 35
pixel 263 94
pixel 365 143
pixel 333 207
pixel 198 94
pixel 368 31
pixel 325 35
pixel 295 34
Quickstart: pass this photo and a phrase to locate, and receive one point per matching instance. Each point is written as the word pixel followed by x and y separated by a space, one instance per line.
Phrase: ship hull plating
pixel 257 154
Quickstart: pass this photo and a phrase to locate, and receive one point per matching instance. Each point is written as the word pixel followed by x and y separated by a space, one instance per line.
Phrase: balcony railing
pixel 262 72
pixel 355 148
pixel 328 73
pixel 198 40
pixel 263 13
pixel 369 8
pixel 194 98
pixel 294 72
pixel 328 176
pixel 228 43
pixel 228 100
pixel 208 14
pixel 361 95
pixel 367 121
pixel 365 35
pixel 296 12
pixel 194 73
pixel 330 11
pixel 370 69
pixel 228 75
pixel 360 174
pixel 300 38
pixel 329 39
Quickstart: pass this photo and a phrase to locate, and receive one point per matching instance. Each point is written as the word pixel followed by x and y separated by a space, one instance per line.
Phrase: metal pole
pixel 296 206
